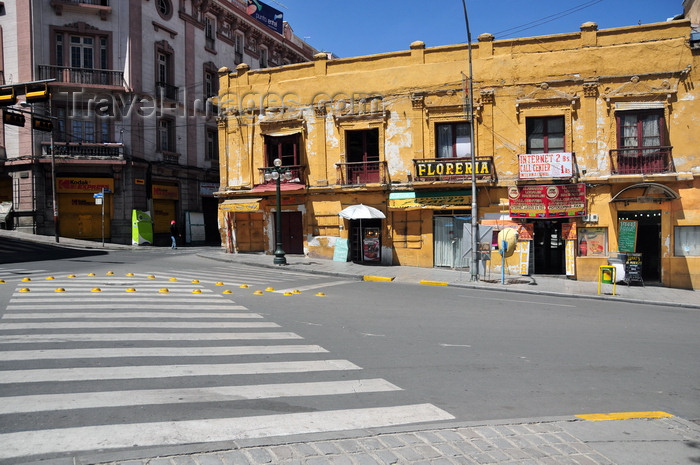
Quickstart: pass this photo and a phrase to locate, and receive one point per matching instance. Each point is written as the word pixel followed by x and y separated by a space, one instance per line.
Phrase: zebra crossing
pixel 11 274
pixel 115 362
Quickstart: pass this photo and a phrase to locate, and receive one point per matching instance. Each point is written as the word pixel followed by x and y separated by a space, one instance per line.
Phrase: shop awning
pixel 284 186
pixel 431 200
pixel 282 132
pixel 240 205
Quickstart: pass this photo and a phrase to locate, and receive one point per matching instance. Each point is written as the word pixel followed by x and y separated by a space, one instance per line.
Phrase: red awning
pixel 285 186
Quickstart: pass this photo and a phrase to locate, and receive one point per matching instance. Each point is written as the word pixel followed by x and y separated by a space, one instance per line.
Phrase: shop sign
pixel 430 199
pixel 452 168
pixel 207 189
pixel 240 205
pixel 553 201
pixel 83 185
pixel 164 192
pixel 545 165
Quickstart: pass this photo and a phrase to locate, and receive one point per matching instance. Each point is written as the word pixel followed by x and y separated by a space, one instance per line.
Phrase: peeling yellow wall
pixel 581 75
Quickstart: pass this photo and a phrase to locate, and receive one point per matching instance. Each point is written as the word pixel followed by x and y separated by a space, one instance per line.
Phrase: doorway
pixel 292 233
pixel 648 241
pixel 365 240
pixel 549 247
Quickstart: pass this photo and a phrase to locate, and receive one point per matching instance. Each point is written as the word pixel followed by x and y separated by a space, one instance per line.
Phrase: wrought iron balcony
pixel 84 150
pixel 166 90
pixel 82 76
pixel 364 172
pixel 297 174
pixel 648 160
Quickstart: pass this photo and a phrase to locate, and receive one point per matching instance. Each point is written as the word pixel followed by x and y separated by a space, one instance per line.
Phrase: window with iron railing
pixel 362 154
pixel 642 148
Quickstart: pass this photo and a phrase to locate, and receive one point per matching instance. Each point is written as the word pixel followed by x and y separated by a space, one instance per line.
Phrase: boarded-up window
pixel 407 229
pixel 249 232
pixel 326 225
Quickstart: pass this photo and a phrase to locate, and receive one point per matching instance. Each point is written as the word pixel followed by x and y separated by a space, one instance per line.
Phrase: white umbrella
pixel 361 212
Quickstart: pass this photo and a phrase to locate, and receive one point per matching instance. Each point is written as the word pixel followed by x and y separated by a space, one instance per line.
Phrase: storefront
pixel 549 212
pixel 80 212
pixel 165 198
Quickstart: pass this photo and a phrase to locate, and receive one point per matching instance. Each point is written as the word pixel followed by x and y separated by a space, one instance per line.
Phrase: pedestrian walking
pixel 174 234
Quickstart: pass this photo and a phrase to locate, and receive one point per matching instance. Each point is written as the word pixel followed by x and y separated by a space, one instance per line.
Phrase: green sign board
pixel 627 237
pixel 340 253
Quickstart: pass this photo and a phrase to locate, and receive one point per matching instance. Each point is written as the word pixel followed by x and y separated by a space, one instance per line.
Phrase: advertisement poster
pixel 568 231
pixel 265 14
pixel 593 242
pixel 570 257
pixel 545 165
pixel 523 249
pixel 551 201
pixel 627 237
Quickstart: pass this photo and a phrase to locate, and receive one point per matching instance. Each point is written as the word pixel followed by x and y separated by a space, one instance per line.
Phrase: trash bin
pixel 606 275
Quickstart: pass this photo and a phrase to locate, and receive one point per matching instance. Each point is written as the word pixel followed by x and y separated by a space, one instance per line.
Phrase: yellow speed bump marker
pixel 60 289
pixel 91 274
pixel 288 293
pixel 270 289
pixel 258 292
pixel 131 289
pixel 195 281
pixel 244 286
pixel 96 289
pixel 26 280
pixel 173 279
pixel 150 276
pixel 227 291
pixel 196 291
pixel 164 290
pixel 130 275
pixel 296 292
pixel 25 289
pixel 320 294
pixel 219 283
pixel 50 278
pixel 2 281
pixel 110 273
pixel 71 276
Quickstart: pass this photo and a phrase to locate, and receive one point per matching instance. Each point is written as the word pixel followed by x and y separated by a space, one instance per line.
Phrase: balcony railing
pixel 82 76
pixel 453 169
pixel 296 170
pixel 166 90
pixel 84 150
pixel 364 172
pixel 648 160
pixel 85 2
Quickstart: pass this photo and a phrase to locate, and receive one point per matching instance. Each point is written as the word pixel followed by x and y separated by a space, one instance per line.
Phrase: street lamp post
pixel 279 174
pixel 474 266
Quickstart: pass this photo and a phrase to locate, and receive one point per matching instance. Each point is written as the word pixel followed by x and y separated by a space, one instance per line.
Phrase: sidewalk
pixel 544 285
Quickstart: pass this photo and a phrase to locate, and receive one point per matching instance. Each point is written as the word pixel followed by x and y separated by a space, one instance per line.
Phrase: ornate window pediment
pixel 637 89
pixel 544 94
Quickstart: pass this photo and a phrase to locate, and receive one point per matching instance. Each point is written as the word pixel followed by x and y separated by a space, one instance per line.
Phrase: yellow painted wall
pixel 583 76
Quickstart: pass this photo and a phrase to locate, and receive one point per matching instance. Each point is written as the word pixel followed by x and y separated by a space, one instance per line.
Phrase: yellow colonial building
pixel 585 144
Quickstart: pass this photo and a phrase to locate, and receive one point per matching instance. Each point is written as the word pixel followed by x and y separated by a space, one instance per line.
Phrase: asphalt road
pixel 443 352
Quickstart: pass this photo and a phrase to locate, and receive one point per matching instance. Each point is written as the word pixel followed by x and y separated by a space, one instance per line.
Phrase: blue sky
pixel 363 27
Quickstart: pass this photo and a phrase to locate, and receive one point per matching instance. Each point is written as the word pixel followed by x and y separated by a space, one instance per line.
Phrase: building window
pixel 285 148
pixel 362 150
pixel 686 241
pixel 81 52
pixel 641 137
pixel 545 135
pixel 82 126
pixel 165 8
pixel 166 135
pixel 164 72
pixel 263 58
pixel 592 242
pixel 209 32
pixel 453 140
pixel 238 48
pixel 212 149
pixel 59 50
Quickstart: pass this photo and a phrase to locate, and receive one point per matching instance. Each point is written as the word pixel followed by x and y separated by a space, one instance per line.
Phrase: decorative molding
pixel 636 88
pixel 157 26
pixel 417 100
pixel 487 96
pixel 590 88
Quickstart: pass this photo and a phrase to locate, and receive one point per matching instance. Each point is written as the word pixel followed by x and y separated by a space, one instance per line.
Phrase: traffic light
pixel 38 92
pixel 42 124
pixel 12 118
pixel 7 96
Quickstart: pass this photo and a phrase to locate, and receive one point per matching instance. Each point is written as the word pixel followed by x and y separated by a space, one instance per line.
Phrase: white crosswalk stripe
pixel 147 354
pixel 11 274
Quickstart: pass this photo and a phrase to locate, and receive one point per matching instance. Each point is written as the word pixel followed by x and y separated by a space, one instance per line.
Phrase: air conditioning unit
pixel 592 218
